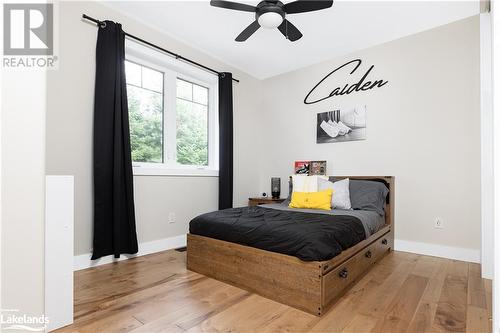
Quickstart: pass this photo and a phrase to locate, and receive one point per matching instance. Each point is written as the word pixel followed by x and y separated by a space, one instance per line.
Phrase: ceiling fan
pixel 271 14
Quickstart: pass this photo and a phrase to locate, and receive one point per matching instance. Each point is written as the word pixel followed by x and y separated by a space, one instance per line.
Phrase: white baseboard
pixel 435 250
pixel 83 261
pixel 457 253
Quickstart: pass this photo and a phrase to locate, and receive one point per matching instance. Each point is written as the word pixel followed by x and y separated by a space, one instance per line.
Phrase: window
pixel 192 123
pixel 145 108
pixel 173 117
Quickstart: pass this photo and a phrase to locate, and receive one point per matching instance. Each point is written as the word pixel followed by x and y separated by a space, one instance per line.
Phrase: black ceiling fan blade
pixel 289 31
pixel 302 6
pixel 233 5
pixel 253 27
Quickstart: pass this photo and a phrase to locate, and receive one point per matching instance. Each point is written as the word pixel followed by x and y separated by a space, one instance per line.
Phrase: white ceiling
pixel 341 29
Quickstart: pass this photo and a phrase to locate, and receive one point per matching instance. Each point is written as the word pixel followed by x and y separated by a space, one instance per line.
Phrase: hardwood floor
pixel 403 293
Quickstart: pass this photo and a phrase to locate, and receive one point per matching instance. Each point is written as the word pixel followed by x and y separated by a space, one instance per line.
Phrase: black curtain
pixel 114 215
pixel 225 140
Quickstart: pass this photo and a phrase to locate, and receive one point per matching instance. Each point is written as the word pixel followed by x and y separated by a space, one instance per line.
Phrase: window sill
pixel 188 172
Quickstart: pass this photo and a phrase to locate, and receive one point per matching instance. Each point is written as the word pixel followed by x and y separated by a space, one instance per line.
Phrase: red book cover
pixel 302 167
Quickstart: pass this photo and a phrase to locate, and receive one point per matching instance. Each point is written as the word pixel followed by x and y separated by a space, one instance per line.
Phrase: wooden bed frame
pixel 312 286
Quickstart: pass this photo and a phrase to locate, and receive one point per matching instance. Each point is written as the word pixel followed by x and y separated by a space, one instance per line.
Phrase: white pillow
pixel 341 198
pixel 303 183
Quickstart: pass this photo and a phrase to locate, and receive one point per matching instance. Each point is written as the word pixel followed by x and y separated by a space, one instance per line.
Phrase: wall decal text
pixel 347 89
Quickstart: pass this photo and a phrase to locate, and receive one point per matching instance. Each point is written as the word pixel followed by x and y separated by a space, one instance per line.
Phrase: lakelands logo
pixel 28 35
pixel 10 319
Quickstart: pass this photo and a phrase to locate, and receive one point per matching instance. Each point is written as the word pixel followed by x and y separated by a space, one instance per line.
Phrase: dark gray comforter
pixel 307 236
pixel 372 221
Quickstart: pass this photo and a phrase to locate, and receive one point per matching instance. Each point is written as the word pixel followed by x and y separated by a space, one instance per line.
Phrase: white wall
pixel 59 259
pixel 423 128
pixel 487 174
pixel 23 189
pixel 495 10
pixel 69 132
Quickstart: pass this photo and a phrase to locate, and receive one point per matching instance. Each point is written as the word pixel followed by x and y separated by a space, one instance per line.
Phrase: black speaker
pixel 275 187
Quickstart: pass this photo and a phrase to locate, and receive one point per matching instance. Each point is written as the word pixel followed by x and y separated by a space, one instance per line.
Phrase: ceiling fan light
pixel 270 20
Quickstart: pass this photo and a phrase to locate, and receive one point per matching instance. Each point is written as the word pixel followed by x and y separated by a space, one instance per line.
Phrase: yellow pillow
pixel 312 200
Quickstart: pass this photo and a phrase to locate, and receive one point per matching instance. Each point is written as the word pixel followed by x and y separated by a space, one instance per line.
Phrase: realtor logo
pixel 28 29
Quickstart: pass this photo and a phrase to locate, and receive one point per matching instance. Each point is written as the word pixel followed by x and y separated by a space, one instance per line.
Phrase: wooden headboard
pixel 389 203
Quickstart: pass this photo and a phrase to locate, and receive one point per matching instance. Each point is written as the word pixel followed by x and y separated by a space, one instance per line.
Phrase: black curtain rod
pixel 175 55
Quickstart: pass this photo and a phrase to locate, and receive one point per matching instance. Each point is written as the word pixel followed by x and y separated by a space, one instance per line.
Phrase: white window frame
pixel 173 69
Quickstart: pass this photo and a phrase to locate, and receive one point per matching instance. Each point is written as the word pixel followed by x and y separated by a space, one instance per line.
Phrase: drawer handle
pixel 343 273
pixel 384 241
pixel 368 254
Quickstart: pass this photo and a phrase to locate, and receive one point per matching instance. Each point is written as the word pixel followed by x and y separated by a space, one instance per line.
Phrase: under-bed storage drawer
pixel 339 279
pixel 378 248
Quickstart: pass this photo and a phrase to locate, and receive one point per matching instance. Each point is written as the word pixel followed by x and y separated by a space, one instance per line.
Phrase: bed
pixel 293 256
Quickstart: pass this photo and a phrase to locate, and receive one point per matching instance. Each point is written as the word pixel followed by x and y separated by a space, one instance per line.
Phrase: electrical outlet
pixel 171 217
pixel 438 223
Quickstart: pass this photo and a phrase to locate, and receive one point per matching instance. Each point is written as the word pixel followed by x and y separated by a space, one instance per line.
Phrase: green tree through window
pixel 146 125
pixel 192 124
pixel 145 107
pixel 174 121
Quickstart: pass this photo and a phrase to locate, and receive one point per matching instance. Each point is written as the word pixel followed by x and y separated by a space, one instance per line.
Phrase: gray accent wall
pixel 423 127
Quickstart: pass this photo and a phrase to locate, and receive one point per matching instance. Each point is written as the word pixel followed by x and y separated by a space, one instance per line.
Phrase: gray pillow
pixel 367 194
pixel 290 190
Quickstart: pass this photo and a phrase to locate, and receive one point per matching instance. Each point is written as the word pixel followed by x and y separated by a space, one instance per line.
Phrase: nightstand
pixel 264 200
